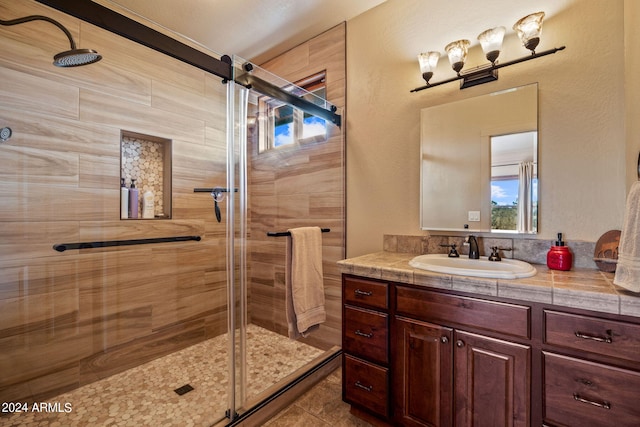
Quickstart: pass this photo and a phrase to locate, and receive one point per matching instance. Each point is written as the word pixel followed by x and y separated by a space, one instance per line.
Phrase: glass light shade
pixel 529 29
pixel 428 62
pixel 491 42
pixel 457 52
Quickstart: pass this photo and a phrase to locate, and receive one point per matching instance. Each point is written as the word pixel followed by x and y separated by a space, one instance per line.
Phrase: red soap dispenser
pixel 559 257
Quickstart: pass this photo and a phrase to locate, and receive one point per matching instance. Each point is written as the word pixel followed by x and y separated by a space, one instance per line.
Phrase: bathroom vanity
pixel 429 349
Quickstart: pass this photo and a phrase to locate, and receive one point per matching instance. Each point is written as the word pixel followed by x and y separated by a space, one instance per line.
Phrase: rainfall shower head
pixel 70 58
pixel 76 57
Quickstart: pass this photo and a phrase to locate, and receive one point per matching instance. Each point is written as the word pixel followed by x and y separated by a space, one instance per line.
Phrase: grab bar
pixel 61 247
pixel 287 233
pixel 210 190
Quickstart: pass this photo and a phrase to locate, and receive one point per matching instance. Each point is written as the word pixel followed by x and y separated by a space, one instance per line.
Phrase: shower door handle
pixel 218 196
pixel 216 208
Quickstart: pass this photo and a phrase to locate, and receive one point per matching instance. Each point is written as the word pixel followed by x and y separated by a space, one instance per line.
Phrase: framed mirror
pixel 479 163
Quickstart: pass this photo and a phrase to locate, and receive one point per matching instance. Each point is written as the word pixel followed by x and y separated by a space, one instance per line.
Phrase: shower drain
pixel 184 389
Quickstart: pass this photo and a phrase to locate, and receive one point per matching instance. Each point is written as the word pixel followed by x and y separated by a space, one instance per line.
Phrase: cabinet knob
pixel 444 340
pixel 460 343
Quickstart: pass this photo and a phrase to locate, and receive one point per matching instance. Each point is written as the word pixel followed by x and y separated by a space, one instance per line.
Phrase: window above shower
pixel 281 125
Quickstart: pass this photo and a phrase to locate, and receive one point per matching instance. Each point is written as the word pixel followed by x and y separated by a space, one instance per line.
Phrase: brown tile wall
pixel 69 318
pixel 300 186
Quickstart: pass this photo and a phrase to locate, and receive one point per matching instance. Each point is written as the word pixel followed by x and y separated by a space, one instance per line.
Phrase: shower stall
pixel 174 314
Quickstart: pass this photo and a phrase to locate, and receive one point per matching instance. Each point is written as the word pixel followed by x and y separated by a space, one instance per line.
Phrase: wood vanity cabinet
pixel 417 356
pixel 587 380
pixel 365 345
pixel 444 375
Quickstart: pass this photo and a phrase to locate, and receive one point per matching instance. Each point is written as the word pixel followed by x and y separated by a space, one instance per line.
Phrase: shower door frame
pixel 236 142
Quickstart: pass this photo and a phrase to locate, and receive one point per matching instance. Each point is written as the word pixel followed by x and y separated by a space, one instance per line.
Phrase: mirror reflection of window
pixel 514 182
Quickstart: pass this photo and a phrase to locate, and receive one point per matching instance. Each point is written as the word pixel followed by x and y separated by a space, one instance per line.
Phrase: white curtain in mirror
pixel 525 202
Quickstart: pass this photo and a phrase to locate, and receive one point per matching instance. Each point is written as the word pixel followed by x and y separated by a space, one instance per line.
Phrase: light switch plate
pixel 474 215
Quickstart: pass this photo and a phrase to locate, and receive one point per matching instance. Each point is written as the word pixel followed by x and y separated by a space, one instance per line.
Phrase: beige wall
pixel 583 143
pixel 632 87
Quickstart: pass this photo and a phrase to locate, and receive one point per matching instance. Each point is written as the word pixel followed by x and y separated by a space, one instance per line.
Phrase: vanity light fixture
pixel 528 29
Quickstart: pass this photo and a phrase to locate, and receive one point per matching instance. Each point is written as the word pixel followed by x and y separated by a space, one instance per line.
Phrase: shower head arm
pixel 41 18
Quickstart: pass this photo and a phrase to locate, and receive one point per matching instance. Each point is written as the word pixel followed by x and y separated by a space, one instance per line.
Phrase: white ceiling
pixel 256 30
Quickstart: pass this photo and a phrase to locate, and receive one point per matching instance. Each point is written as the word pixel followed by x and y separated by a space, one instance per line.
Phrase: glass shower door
pixel 266 359
pixel 107 317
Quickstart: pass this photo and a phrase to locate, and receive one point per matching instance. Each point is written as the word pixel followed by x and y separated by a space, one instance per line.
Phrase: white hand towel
pixel 628 267
pixel 304 281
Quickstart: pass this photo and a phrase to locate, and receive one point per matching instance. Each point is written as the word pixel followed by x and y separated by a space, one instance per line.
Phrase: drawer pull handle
pixel 363 387
pixel 363 334
pixel 606 339
pixel 363 293
pixel 603 404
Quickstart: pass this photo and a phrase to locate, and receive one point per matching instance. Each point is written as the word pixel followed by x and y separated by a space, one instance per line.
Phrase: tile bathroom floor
pixel 144 396
pixel 322 406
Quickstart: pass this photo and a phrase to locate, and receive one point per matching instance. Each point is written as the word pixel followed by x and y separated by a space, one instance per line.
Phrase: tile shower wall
pixel 300 186
pixel 68 319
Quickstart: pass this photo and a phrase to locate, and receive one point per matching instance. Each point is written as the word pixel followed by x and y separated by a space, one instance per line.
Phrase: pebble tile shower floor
pixel 145 396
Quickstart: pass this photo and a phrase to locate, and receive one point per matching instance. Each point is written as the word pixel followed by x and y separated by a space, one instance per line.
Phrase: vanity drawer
pixel 582 393
pixel 366 293
pixel 602 336
pixel 451 310
pixel 366 385
pixel 366 334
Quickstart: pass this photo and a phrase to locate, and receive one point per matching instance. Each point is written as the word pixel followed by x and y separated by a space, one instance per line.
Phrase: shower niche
pixel 145 160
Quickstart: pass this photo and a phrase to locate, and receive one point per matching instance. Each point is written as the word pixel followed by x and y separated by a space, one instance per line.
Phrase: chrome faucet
pixel 474 253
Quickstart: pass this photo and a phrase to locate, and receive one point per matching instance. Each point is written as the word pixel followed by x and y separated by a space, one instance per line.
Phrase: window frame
pixel 267 121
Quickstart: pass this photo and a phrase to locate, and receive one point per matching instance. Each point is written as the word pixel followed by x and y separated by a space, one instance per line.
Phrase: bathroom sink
pixel 463 266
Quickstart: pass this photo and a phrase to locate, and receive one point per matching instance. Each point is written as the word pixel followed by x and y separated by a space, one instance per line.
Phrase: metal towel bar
pixel 61 247
pixel 286 233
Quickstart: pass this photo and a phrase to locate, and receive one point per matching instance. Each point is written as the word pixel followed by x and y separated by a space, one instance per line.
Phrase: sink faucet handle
pixel 453 253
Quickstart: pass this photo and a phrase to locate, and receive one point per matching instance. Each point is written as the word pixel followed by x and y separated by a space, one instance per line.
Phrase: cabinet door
pixel 492 382
pixel 422 374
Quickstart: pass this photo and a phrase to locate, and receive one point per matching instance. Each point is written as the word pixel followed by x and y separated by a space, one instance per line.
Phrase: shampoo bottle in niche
pixel 124 200
pixel 147 204
pixel 133 200
pixel 559 257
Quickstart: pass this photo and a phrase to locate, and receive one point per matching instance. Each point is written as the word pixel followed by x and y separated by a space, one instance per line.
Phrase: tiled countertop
pixel 579 288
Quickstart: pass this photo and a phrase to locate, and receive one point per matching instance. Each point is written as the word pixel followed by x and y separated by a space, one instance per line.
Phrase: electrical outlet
pixel 474 215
